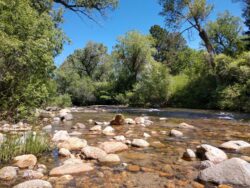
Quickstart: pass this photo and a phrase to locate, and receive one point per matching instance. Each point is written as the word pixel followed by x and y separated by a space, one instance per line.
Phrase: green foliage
pixel 29 144
pixel 63 100
pixel 29 42
pixel 225 34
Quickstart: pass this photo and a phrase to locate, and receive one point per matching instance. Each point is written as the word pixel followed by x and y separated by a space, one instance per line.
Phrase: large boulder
pixel 34 184
pixel 25 161
pixel 73 143
pixel 140 143
pixel 60 136
pixel 8 173
pixel 211 153
pixel 234 171
pixel 68 168
pixel 112 147
pixel 119 120
pixel 235 145
pixel 93 152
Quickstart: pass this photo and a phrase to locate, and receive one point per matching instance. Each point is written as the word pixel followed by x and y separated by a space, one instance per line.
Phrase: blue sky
pixel 130 15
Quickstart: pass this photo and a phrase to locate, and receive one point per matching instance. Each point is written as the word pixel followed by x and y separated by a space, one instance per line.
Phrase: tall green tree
pixel 192 12
pixel 225 34
pixel 29 42
pixel 132 53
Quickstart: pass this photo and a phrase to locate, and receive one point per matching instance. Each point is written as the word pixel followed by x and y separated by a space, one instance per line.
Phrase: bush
pixel 61 101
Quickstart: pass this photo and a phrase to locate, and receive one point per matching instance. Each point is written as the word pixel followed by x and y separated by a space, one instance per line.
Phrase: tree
pixel 87 7
pixel 168 45
pixel 193 12
pixel 30 40
pixel 132 53
pixel 85 61
pixel 224 33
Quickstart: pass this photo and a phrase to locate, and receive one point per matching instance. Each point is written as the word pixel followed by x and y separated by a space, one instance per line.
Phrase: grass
pixel 29 144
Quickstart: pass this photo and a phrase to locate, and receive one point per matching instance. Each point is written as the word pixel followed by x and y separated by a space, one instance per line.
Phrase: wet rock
pixel 60 136
pixel 34 184
pixel 93 152
pixel 71 169
pixel 133 168
pixel 189 154
pixel 64 152
pixel 96 128
pixel 80 125
pixel 146 135
pixel 32 174
pixel 119 120
pixel 112 147
pixel 205 164
pixel 8 173
pixel 120 138
pixel 140 143
pixel 234 171
pixel 112 158
pixel 176 133
pixel 75 133
pixel 211 153
pixel 73 143
pixel 129 121
pixel 235 145
pixel 47 128
pixel 185 126
pixel 108 130
pixel 25 161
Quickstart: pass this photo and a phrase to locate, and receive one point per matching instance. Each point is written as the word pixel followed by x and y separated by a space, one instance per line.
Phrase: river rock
pixel 163 119
pixel 47 128
pixel 80 125
pixel 60 136
pixel 34 184
pixel 93 152
pixel 73 143
pixel 64 181
pixel 112 158
pixel 112 147
pixel 146 135
pixel 64 152
pixel 234 171
pixel 75 133
pixel 96 128
pixel 56 119
pixel 119 120
pixel 46 114
pixel 189 154
pixel 129 121
pixel 108 130
pixel 68 117
pixel 71 169
pixel 176 133
pixel 64 112
pixel 25 161
pixel 185 126
pixel 140 143
pixel 235 145
pixel 211 153
pixel 8 173
pixel 32 174
pixel 120 138
pixel 139 120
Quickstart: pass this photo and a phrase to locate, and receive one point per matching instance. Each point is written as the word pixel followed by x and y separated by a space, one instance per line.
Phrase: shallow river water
pixel 161 164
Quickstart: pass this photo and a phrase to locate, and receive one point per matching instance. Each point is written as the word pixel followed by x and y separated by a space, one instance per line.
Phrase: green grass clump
pixel 29 144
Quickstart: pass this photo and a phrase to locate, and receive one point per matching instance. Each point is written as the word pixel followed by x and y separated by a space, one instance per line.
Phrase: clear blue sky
pixel 130 15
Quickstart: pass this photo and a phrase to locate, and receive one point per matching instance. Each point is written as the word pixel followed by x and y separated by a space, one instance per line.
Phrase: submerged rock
pixel 140 143
pixel 34 184
pixel 93 152
pixel 176 133
pixel 71 169
pixel 112 158
pixel 25 161
pixel 211 153
pixel 119 120
pixel 235 145
pixel 8 173
pixel 112 147
pixel 234 171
